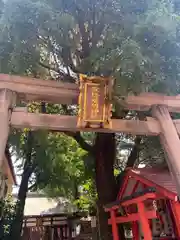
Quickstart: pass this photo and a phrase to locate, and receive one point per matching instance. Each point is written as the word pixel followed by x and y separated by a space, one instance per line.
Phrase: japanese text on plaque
pixel 95 102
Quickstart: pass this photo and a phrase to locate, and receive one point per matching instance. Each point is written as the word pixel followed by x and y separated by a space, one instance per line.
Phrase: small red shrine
pixel 148 201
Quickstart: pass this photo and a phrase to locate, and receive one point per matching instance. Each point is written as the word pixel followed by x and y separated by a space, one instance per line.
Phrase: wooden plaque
pixel 95 102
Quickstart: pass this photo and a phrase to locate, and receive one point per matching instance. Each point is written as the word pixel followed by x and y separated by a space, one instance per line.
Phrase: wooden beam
pixel 7 171
pixel 177 125
pixel 135 230
pixel 7 99
pixel 163 191
pixel 136 200
pixel 20 109
pixel 134 217
pixel 21 119
pixel 31 89
pixel 67 93
pixel 170 141
pixel 176 213
pixel 140 199
pixel 144 221
pixel 69 123
pixel 123 187
pixel 145 101
pixel 114 225
pixel 135 187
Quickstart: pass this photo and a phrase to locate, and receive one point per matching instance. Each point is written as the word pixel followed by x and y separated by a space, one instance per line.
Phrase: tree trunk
pixel 105 153
pixel 134 153
pixel 16 227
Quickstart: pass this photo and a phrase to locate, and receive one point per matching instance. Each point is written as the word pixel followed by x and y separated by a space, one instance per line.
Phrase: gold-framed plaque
pixel 95 102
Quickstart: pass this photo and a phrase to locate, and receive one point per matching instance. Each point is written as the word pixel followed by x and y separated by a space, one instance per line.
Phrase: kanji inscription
pixel 95 102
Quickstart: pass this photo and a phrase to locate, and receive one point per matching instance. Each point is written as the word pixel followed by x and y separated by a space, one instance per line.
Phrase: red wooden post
pixel 135 230
pixel 170 141
pixel 176 212
pixel 114 225
pixel 144 221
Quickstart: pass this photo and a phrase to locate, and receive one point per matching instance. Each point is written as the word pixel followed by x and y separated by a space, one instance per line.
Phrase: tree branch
pixel 63 75
pixel 28 150
pixel 50 68
pixel 32 187
pixel 80 140
pixel 83 32
pixel 83 143
pixel 67 58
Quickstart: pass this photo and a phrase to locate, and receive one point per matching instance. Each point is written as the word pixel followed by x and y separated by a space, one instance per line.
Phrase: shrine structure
pixel 147 201
pixel 50 226
pixel 93 96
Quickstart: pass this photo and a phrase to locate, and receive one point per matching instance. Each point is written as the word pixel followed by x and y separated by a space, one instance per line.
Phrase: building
pixel 148 203
pixel 48 219
pixel 53 219
pixel 40 204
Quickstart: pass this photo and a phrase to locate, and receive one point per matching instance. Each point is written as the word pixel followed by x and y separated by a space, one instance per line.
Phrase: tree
pixel 47 161
pixel 136 42
pixel 67 168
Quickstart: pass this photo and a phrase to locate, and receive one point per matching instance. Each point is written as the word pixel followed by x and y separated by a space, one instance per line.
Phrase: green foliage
pixel 66 171
pixel 7 207
pixel 88 197
pixel 57 162
pixel 134 41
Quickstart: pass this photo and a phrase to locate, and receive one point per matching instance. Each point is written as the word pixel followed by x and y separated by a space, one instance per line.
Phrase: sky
pixel 18 178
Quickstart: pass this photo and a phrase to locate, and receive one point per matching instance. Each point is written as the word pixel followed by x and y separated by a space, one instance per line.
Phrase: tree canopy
pixel 136 42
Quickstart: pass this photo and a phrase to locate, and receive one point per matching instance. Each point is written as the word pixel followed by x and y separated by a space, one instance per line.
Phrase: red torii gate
pixel 94 95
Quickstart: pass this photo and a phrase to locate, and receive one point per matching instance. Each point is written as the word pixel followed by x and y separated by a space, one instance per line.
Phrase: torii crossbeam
pixel 14 89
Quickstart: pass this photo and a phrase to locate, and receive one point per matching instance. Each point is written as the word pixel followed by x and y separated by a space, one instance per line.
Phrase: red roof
pixel 160 177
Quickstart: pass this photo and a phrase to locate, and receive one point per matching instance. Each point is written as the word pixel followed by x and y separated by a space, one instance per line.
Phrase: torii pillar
pixel 170 142
pixel 7 99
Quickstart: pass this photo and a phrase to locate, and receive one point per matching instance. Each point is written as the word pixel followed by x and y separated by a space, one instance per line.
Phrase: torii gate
pixel 95 95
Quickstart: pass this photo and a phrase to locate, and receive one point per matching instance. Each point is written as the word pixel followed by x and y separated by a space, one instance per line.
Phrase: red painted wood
pixel 175 206
pixel 159 176
pixel 134 217
pixel 149 183
pixel 140 199
pixel 135 230
pixel 144 222
pixel 135 187
pixel 114 226
pixel 135 200
pixel 123 188
pixel 115 207
pixel 133 190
